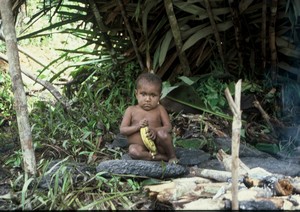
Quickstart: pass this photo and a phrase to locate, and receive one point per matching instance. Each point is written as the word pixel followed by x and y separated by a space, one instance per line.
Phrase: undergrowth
pixel 80 136
pixel 76 136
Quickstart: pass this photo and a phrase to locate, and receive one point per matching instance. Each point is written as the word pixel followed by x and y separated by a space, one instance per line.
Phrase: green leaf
pixel 204 33
pixel 167 88
pixel 165 47
pixel 192 143
pixel 269 148
pixel 148 6
pixel 187 95
pixel 187 80
pixel 24 191
pixel 191 8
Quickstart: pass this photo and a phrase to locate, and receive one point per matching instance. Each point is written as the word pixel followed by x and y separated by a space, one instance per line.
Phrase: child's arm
pixel 126 128
pixel 165 122
pixel 165 119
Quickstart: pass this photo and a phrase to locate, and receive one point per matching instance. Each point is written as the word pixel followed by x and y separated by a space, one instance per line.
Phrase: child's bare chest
pixel 153 117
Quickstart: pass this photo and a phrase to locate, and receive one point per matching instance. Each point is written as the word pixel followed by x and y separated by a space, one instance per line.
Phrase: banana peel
pixel 147 141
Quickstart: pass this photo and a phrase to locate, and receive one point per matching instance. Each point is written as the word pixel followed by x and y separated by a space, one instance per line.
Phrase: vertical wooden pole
pixel 235 143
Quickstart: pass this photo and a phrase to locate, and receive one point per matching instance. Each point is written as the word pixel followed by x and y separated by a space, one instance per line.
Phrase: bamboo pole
pixel 235 144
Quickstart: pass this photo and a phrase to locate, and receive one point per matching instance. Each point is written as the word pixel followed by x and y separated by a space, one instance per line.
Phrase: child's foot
pixel 173 160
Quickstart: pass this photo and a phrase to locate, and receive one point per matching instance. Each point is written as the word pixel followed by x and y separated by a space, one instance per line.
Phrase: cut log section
pixel 227 162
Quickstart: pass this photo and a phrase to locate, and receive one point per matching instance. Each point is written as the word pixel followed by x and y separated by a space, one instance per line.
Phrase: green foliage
pixel 211 92
pixel 188 92
pixel 191 143
pixel 15 159
pixel 7 113
pixel 67 191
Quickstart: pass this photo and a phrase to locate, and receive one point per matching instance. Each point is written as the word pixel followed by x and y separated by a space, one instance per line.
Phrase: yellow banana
pixel 147 141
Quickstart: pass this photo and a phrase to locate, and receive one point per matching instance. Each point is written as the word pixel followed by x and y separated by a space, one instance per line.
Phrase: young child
pixel 148 112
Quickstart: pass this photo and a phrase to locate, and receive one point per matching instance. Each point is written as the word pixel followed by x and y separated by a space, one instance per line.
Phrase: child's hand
pixel 151 134
pixel 143 123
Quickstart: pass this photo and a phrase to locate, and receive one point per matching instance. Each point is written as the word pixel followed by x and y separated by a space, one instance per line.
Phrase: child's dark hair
pixel 149 77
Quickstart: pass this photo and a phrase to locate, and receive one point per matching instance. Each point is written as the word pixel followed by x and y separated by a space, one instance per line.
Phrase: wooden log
pixel 226 159
pixel 220 176
pixel 184 189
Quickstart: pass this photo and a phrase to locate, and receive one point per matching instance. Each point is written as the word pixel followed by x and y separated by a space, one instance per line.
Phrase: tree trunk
pixel 272 40
pixel 216 33
pixel 264 34
pixel 177 38
pixel 233 6
pixel 131 34
pixel 20 101
pixel 103 30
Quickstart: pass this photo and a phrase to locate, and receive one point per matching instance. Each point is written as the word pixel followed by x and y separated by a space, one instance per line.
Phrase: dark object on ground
pixel 253 205
pixel 153 169
pixel 190 157
pixel 245 149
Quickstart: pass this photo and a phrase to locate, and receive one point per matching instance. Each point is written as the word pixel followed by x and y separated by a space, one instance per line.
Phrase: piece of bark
pixel 175 189
pixel 205 204
pixel 220 176
pixel 183 190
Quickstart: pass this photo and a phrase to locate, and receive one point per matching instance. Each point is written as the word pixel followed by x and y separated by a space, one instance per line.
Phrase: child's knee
pixel 163 135
pixel 133 152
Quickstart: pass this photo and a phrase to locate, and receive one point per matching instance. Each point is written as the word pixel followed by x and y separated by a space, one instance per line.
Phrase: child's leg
pixel 140 152
pixel 165 145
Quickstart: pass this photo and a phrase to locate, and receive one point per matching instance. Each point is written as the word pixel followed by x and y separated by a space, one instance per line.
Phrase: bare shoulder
pixel 130 108
pixel 162 108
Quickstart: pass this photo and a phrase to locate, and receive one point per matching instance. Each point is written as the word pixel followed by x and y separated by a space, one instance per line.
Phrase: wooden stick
pixel 236 131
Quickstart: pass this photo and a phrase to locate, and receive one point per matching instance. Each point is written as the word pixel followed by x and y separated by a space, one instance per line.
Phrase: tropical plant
pixel 202 30
pixel 7 112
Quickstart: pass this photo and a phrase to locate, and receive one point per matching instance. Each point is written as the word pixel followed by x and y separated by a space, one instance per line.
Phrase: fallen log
pixel 226 159
pixel 184 190
pixel 220 176
pixel 173 190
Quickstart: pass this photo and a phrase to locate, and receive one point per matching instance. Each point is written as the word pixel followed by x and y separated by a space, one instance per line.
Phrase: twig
pixel 265 116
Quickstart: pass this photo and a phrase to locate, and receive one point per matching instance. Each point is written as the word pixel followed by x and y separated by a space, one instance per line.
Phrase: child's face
pixel 147 95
